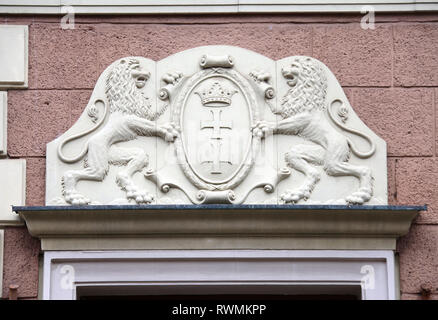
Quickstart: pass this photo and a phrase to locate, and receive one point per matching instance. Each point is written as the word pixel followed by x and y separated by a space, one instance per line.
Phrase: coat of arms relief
pixel 217 124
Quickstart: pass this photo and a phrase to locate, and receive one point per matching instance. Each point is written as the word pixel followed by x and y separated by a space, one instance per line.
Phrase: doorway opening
pixel 191 293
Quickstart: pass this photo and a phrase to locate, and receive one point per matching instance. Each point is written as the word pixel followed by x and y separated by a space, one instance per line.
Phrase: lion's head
pixel 124 91
pixel 308 87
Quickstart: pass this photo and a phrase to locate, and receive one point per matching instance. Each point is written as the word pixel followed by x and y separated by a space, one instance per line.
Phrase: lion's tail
pixel 92 113
pixel 359 154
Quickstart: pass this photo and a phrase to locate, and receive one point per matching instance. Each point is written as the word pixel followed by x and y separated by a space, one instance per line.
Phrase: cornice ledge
pixel 177 226
pixel 55 7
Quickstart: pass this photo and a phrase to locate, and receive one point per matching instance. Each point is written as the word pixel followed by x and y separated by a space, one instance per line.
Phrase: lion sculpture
pixel 303 110
pixel 130 116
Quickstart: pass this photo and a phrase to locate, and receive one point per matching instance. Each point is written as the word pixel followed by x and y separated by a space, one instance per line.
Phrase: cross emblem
pixel 216 124
pixel 218 157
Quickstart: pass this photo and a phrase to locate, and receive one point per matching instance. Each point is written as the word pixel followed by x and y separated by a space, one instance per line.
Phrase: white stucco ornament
pixel 217 124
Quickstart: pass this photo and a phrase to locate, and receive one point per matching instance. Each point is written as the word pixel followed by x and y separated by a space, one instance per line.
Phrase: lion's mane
pixel 122 93
pixel 309 92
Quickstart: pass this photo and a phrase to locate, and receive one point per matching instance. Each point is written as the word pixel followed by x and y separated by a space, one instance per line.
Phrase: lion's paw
pixel 352 199
pixel 140 196
pixel 172 77
pixel 169 132
pixel 358 197
pixel 293 196
pixel 76 199
pixel 260 75
pixel 262 129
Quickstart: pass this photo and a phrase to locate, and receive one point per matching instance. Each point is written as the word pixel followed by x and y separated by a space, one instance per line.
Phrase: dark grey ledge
pixel 226 207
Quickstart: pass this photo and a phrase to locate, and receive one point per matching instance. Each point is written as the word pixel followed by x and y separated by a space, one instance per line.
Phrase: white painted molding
pixel 12 190
pixel 3 123
pixel 13 56
pixel 149 272
pixel 218 227
pixel 210 6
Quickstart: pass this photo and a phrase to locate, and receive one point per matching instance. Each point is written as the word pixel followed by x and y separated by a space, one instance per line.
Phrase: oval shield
pixel 215 110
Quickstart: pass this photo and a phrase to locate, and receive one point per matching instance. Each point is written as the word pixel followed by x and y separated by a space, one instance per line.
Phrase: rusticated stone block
pixel 36 181
pixel 409 296
pixel 36 117
pixel 417 184
pixel 436 122
pixel 402 117
pixel 62 58
pixel 159 41
pixel 20 262
pixel 415 55
pixel 357 57
pixel 349 92
pixel 419 259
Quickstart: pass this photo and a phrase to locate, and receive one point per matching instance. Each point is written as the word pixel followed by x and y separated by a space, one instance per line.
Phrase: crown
pixel 216 96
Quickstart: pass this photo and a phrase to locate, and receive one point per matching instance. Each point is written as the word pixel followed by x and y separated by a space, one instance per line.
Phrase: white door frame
pixel 229 271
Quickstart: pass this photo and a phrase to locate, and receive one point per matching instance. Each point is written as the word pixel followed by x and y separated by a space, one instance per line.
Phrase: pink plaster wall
pixel 390 75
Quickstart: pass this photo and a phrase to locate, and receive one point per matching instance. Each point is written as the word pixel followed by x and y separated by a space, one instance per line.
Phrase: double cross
pixel 217 124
